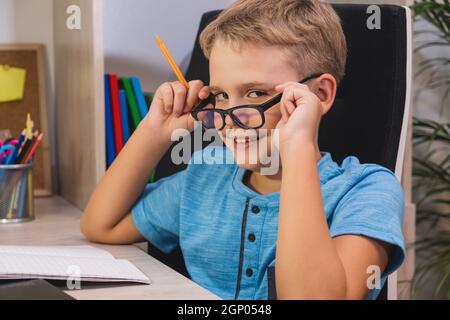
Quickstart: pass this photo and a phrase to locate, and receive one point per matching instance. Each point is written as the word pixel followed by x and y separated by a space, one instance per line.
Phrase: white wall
pixel 130 47
pixel 7 31
pixel 32 21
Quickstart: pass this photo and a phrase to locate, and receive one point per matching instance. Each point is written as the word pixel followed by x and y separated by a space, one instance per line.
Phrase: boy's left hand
pixel 301 111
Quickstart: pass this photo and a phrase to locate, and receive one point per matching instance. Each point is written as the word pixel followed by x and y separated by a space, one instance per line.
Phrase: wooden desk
pixel 57 223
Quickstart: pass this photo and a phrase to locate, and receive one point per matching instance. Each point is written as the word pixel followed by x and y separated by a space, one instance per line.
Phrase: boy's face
pixel 243 77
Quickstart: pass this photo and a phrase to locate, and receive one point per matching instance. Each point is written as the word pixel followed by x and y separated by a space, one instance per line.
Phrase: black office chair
pixel 369 116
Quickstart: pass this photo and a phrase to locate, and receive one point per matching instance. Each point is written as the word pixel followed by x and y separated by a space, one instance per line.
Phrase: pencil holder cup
pixel 16 193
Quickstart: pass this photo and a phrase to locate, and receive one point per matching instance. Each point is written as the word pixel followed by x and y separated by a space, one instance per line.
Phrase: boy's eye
pixel 256 94
pixel 221 96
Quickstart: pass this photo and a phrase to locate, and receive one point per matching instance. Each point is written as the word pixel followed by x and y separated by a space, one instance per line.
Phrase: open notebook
pixel 66 262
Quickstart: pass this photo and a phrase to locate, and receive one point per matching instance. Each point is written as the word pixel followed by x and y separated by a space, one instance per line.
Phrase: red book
pixel 115 106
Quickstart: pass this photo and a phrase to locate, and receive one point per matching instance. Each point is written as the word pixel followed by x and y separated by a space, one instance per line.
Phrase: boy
pixel 312 230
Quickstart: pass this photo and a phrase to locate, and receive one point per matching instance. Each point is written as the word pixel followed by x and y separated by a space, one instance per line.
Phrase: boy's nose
pixel 229 123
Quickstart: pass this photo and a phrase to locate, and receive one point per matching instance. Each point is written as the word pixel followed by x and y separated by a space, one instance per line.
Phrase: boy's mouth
pixel 245 141
pixel 241 140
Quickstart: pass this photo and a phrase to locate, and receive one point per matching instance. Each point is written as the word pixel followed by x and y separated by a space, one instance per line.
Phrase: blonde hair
pixel 309 30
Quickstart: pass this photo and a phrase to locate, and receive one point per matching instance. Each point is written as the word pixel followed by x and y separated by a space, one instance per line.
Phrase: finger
pixel 290 99
pixel 179 97
pixel 288 108
pixel 192 95
pixel 284 113
pixel 285 85
pixel 204 93
pixel 288 103
pixel 167 97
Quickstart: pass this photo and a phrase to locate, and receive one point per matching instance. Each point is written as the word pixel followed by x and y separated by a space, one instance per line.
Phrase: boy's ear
pixel 325 88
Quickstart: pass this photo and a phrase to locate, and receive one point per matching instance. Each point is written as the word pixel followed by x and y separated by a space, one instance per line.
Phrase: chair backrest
pixel 368 118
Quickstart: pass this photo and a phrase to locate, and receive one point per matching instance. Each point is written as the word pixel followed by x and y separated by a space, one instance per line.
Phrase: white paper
pixel 64 262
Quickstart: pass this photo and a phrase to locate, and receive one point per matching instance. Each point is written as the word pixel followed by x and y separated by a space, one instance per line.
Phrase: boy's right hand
pixel 171 107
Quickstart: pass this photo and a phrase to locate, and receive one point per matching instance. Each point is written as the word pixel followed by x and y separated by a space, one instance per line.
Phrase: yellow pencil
pixel 29 124
pixel 172 62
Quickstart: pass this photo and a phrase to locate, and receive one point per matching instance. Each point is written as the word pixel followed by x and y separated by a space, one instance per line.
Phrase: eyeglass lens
pixel 212 118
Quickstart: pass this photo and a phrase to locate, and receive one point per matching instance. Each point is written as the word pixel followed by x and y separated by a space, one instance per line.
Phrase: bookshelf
pixel 80 127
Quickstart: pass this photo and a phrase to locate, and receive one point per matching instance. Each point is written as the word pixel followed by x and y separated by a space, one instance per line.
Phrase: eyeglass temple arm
pixel 314 75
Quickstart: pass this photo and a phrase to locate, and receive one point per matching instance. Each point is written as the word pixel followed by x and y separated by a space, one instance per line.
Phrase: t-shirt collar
pixel 326 167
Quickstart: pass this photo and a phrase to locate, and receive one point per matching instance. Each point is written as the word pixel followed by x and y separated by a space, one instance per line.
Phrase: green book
pixel 134 111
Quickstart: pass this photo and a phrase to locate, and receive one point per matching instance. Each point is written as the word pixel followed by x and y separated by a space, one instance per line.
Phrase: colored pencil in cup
pixel 23 152
pixel 33 148
pixel 27 148
pixel 172 62
pixel 30 126
pixel 18 147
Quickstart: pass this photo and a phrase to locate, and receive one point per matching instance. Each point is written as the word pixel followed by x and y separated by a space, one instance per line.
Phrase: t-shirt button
pixel 251 237
pixel 249 272
pixel 255 209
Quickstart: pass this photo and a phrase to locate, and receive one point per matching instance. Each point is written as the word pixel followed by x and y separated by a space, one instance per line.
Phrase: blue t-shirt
pixel 227 232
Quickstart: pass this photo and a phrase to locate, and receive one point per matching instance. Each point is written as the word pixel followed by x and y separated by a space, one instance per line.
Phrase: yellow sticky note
pixel 12 83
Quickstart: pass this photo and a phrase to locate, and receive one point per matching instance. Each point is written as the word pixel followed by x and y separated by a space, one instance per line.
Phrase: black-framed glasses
pixel 249 116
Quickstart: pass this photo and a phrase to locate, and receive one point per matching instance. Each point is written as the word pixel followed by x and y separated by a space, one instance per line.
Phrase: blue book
pixel 110 145
pixel 124 115
pixel 139 94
